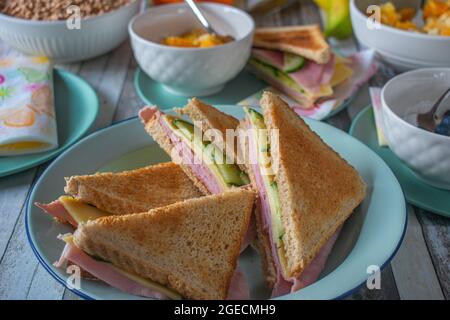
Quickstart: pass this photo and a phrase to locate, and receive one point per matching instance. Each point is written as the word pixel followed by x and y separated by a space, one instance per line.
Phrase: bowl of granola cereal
pixel 66 30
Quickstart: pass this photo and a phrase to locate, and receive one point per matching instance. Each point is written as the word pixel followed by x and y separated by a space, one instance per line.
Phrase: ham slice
pixel 312 271
pixel 313 75
pixel 104 271
pixel 271 57
pixel 57 210
pixel 310 77
pixel 182 153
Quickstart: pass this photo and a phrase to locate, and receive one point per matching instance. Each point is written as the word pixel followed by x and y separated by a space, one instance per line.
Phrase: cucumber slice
pixel 186 128
pixel 292 62
pixel 230 173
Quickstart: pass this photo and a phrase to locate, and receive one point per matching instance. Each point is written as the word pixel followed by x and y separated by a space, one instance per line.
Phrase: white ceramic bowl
pixel 426 153
pixel 191 71
pixel 404 50
pixel 97 35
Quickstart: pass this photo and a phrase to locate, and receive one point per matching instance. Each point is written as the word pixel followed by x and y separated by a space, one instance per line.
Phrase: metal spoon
pixel 199 15
pixel 428 119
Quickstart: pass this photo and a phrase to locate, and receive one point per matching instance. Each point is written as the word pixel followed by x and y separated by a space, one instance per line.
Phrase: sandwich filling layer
pixel 259 156
pixel 132 283
pixel 217 173
pixel 70 210
pixel 308 82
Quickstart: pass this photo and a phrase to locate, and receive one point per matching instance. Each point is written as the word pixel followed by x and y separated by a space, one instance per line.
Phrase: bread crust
pixel 154 129
pixel 191 247
pixel 318 189
pixel 134 190
pixel 213 119
pixel 306 41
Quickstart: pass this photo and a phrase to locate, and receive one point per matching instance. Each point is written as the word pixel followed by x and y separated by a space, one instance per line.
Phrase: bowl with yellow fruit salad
pixel 407 34
pixel 171 47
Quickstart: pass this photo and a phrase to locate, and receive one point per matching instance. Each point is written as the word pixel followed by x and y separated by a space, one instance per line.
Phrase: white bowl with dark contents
pixel 403 97
pixel 66 40
pixel 191 71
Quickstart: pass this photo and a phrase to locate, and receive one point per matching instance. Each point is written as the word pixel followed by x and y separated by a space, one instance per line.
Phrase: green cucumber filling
pixel 280 75
pixel 260 136
pixel 230 174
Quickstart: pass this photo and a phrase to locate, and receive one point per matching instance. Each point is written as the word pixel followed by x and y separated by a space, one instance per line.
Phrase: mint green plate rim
pixel 251 88
pixel 416 191
pixel 371 236
pixel 88 113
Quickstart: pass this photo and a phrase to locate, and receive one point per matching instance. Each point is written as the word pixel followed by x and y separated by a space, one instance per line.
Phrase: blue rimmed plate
pixel 370 236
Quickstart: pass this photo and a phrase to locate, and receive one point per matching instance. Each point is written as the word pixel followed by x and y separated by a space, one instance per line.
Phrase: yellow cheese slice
pixel 80 211
pixel 341 73
pixel 325 91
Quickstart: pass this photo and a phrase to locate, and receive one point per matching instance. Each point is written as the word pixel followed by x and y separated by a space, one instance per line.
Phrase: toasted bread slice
pixel 306 41
pixel 191 247
pixel 213 119
pixel 318 189
pixel 133 191
pixel 154 128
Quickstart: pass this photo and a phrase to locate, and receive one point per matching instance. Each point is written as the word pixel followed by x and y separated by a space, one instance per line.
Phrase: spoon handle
pixel 199 15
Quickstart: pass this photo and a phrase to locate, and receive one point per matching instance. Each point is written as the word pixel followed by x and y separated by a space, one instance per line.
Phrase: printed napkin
pixel 27 114
pixel 364 68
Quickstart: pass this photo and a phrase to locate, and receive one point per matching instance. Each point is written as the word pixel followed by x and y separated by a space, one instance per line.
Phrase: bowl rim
pixel 30 22
pixel 401 77
pixel 136 36
pixel 384 27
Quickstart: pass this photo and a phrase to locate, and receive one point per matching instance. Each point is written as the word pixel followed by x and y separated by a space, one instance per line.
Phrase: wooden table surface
pixel 420 270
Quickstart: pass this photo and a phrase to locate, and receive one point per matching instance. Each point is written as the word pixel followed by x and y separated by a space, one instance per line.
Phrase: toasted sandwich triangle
pixel 306 41
pixel 191 247
pixel 318 189
pixel 135 190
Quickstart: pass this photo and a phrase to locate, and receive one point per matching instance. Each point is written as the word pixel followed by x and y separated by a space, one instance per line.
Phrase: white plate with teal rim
pixel 371 236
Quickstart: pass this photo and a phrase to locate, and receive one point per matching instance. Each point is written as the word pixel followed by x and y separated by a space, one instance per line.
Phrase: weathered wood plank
pixel 44 287
pixel 113 80
pixel 18 264
pixel 436 231
pixel 13 192
pixel 129 102
pixel 413 269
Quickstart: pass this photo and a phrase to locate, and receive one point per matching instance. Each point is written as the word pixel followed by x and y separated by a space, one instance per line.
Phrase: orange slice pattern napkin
pixel 27 114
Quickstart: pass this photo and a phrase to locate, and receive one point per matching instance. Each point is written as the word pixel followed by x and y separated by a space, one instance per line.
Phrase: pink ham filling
pixel 311 273
pixel 310 77
pixel 238 287
pixel 57 210
pixel 313 75
pixel 201 170
pixel 106 273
